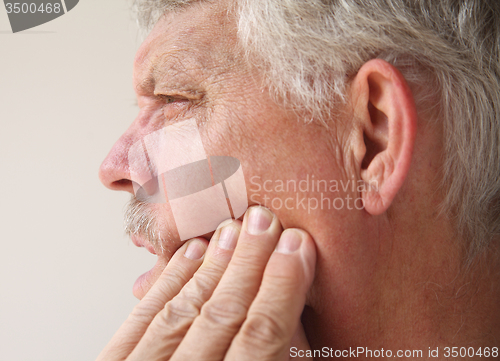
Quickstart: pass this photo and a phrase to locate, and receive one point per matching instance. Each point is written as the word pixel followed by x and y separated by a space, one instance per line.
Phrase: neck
pixel 403 288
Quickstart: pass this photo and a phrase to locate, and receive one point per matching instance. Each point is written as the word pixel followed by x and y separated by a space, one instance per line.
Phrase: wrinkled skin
pixel 384 275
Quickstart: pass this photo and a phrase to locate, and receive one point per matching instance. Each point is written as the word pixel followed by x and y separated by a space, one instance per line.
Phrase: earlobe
pixel 386 127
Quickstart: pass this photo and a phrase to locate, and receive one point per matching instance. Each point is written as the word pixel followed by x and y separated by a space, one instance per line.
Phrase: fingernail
pixel 259 220
pixel 195 250
pixel 225 223
pixel 289 242
pixel 228 237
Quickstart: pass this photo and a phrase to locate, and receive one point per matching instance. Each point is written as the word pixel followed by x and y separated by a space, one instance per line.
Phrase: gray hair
pixel 449 49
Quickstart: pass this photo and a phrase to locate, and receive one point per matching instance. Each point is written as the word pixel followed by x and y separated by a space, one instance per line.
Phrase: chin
pixel 145 281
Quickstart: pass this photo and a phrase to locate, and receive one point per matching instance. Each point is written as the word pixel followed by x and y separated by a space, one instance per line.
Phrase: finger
pixel 171 324
pixel 222 315
pixel 275 313
pixel 300 345
pixel 176 274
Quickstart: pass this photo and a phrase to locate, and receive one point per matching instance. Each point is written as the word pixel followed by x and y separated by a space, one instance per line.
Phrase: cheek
pixel 227 135
pixel 273 150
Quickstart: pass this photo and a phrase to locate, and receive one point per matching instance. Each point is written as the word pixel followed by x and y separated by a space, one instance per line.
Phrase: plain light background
pixel 66 267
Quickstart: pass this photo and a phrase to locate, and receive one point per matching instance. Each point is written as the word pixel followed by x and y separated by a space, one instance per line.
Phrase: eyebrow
pixel 154 72
pixel 147 85
pixel 162 66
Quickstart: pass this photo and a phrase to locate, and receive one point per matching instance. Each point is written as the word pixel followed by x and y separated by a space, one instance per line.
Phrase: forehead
pixel 201 36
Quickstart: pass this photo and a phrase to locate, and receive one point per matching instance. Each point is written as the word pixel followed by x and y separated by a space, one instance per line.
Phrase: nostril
pixel 122 185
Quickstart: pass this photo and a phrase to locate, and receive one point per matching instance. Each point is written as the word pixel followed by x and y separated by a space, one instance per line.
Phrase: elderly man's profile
pixel 368 134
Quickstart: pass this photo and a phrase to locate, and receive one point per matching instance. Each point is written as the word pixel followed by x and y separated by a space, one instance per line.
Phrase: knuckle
pixel 199 288
pixel 226 310
pixel 262 329
pixel 142 314
pixel 185 307
pixel 170 283
pixel 288 281
pixel 177 276
pixel 248 264
pixel 210 274
pixel 173 321
pixel 177 311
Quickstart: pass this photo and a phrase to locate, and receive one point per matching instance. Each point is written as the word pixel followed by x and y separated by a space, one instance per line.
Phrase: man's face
pixel 190 67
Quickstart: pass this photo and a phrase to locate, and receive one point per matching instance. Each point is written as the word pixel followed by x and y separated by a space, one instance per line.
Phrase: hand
pixel 238 297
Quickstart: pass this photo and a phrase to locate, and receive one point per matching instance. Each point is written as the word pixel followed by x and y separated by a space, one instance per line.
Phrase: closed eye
pixel 177 100
pixel 170 99
pixel 172 105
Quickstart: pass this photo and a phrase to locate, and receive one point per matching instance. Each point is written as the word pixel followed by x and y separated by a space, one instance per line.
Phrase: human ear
pixel 384 133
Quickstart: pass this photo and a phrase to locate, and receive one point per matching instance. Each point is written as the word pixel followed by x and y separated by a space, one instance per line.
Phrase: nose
pixel 114 171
